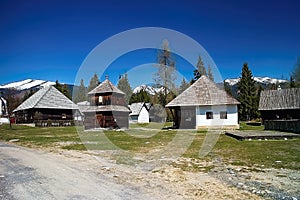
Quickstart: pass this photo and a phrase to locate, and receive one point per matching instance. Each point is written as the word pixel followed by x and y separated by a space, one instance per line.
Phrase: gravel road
pixel 32 174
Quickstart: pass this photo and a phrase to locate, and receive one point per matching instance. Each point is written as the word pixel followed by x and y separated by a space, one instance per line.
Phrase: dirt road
pixel 30 174
pixel 60 174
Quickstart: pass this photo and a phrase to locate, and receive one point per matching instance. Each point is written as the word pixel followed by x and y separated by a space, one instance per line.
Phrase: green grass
pixel 151 125
pixel 244 126
pixel 262 154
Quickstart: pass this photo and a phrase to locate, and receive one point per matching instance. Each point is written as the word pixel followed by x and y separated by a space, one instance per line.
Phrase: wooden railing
pixel 283 125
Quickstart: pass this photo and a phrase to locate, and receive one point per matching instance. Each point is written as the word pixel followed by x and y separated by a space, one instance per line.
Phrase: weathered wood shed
pixel 280 109
pixel 107 109
pixel 46 104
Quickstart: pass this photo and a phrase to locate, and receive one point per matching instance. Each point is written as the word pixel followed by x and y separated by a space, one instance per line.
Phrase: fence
pixel 283 125
pixel 53 123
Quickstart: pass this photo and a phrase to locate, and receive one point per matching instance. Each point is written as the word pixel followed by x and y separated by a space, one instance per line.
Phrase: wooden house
pixel 139 113
pixel 280 109
pixel 107 109
pixel 204 105
pixel 47 104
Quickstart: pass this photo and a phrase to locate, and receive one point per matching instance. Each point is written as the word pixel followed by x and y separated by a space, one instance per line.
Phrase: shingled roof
pixel 203 92
pixel 47 97
pixel 280 99
pixel 137 107
pixel 106 87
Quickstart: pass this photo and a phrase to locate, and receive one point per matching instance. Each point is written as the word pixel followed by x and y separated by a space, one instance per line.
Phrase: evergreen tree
pixel 63 89
pixel 227 88
pixel 81 93
pixel 141 96
pixel 210 73
pixel 124 86
pixel 166 74
pixel 58 85
pixel 183 86
pixel 94 82
pixel 292 82
pixel 200 71
pixel 296 73
pixel 247 95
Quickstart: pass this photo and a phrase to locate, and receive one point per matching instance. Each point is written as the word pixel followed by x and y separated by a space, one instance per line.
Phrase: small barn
pixel 46 105
pixel 204 105
pixel 139 112
pixel 280 109
pixel 107 109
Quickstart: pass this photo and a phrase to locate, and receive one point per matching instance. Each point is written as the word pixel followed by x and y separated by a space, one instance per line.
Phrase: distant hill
pixel 26 85
pixel 265 82
pixel 149 89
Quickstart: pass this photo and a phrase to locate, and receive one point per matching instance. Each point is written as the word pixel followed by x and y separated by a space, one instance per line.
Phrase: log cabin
pixel 47 104
pixel 280 109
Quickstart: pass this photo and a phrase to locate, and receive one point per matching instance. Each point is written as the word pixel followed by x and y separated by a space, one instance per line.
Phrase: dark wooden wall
pixel 31 115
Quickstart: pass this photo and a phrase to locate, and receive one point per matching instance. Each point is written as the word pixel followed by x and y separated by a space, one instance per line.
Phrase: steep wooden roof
pixel 203 92
pixel 280 99
pixel 106 87
pixel 47 97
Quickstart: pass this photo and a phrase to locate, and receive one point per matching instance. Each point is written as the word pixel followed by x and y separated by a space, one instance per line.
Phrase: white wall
pixel 232 116
pixel 143 116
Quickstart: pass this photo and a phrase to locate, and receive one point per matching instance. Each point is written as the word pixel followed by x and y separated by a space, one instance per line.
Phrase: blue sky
pixel 50 39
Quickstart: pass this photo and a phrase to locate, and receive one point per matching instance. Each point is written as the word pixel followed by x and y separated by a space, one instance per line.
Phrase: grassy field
pixel 263 154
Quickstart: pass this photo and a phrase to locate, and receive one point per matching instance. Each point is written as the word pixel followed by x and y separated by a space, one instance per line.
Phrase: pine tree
pixel 227 88
pixel 247 95
pixel 292 82
pixel 210 73
pixel 200 71
pixel 81 93
pixel 65 90
pixel 183 86
pixel 296 73
pixel 94 82
pixel 141 96
pixel 166 74
pixel 125 87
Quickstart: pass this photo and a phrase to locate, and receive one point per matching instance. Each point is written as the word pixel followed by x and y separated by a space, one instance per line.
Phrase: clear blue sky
pixel 49 39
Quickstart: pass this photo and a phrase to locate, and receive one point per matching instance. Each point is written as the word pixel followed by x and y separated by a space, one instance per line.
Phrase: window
pixel 64 116
pixel 223 115
pixel 209 115
pixel 100 100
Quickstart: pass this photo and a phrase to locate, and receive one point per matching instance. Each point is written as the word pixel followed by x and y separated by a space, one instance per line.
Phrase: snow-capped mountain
pixel 27 84
pixel 262 80
pixel 149 89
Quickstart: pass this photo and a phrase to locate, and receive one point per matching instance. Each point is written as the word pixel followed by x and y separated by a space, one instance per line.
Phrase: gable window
pixel 100 100
pixel 209 115
pixel 223 115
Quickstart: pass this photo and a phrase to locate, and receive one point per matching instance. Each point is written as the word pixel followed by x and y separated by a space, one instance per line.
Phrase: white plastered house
pixel 204 105
pixel 139 113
